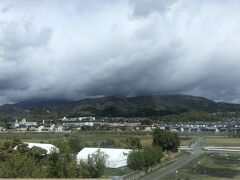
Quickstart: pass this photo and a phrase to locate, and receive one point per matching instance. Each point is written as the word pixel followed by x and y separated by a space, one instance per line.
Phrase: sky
pixel 76 49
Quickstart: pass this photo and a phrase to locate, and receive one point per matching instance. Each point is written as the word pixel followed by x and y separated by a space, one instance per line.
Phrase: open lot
pixel 221 141
pixel 210 167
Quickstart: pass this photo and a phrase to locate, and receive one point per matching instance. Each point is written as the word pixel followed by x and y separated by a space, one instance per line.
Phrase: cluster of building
pixel 63 124
pixel 90 123
pixel 226 126
pixel 24 125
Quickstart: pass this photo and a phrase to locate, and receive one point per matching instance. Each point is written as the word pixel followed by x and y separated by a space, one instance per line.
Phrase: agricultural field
pixel 210 167
pixel 221 141
pixel 184 140
pixel 90 138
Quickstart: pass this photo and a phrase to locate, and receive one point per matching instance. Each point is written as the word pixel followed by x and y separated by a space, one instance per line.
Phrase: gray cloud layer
pixel 76 48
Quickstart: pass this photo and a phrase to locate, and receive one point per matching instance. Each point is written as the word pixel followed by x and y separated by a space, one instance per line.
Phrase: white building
pixel 16 124
pixel 90 118
pixel 40 128
pixel 115 157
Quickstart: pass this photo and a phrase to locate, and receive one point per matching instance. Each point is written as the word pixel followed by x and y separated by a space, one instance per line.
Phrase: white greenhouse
pixel 115 157
pixel 48 147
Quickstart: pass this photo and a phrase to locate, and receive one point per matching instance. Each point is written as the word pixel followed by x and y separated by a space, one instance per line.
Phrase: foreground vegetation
pixel 18 161
pixel 148 152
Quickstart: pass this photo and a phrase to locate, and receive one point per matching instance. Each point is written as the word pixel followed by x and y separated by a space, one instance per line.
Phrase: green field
pixel 91 138
pixel 221 141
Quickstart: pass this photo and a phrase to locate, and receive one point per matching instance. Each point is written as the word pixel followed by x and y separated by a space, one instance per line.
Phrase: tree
pixel 108 143
pixel 37 153
pixel 95 165
pixel 167 140
pixel 23 148
pixel 145 158
pixel 152 155
pixel 19 166
pixel 63 145
pixel 69 145
pixel 55 166
pixel 133 143
pixel 23 162
pixel 136 160
pixel 176 142
pixel 75 144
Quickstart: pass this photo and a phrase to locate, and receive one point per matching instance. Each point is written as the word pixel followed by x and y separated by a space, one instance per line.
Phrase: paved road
pixel 197 151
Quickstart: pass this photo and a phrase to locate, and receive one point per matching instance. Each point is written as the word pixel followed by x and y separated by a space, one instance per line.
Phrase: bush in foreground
pixel 23 162
pixel 145 158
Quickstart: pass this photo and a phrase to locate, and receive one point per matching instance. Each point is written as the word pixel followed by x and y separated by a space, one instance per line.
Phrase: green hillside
pixel 115 106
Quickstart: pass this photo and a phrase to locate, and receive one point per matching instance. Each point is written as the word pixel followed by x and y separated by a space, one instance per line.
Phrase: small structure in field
pixel 115 157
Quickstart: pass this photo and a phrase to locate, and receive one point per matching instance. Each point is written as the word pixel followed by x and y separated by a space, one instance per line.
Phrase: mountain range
pixel 113 106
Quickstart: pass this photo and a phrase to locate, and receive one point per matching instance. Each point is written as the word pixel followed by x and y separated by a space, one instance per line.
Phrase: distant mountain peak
pixel 115 106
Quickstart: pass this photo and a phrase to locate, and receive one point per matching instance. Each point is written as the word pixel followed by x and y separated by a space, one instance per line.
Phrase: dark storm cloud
pixel 76 49
pixel 10 83
pixel 134 77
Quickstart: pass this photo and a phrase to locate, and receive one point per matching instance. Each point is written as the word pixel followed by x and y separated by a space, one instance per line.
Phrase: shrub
pixel 133 143
pixel 136 160
pixel 95 165
pixel 145 158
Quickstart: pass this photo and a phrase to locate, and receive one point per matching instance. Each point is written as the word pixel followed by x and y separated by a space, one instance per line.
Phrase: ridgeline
pixel 113 106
